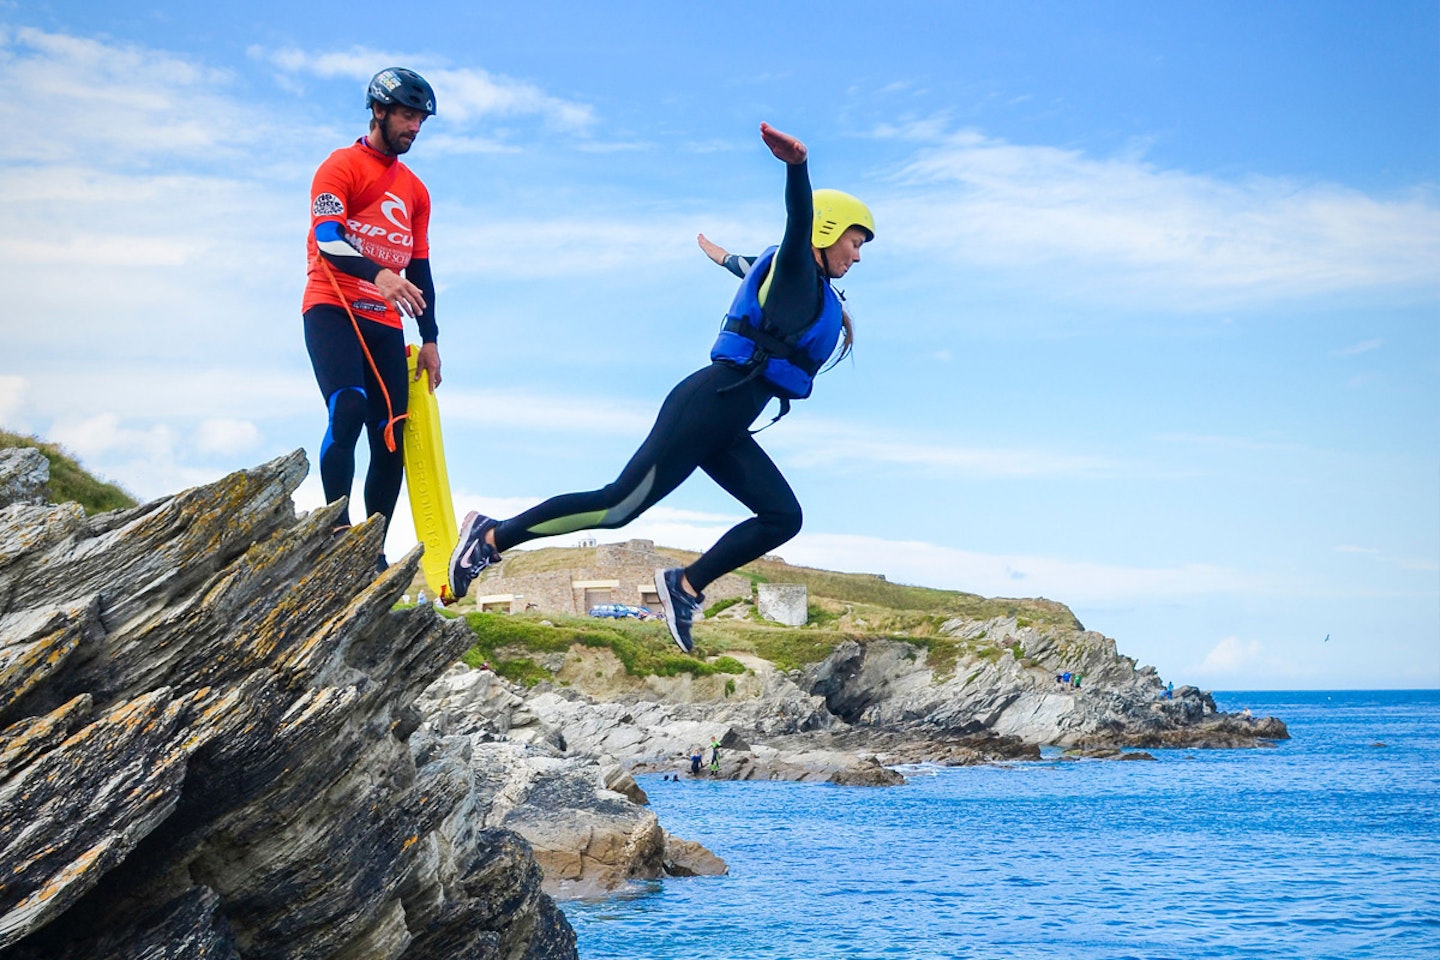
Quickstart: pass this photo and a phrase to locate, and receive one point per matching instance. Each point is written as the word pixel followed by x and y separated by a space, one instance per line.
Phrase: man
pixel 368 267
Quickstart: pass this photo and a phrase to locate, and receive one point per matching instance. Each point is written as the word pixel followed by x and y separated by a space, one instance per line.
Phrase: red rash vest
pixel 392 230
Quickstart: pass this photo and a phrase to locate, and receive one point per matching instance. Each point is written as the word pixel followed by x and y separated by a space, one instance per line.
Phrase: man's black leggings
pixel 353 397
pixel 698 426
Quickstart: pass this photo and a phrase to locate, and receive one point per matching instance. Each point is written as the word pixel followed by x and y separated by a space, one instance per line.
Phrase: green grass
pixel 70 482
pixel 509 641
pixel 868 590
pixel 791 649
pixel 818 616
pixel 719 605
pixel 728 665
pixel 841 607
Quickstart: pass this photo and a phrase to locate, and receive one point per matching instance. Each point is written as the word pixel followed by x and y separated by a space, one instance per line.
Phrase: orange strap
pixel 391 419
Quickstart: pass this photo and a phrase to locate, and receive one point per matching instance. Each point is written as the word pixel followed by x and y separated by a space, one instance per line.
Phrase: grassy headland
pixel 842 606
pixel 70 482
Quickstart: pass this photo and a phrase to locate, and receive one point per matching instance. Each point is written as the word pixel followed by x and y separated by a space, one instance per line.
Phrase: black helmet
pixel 406 87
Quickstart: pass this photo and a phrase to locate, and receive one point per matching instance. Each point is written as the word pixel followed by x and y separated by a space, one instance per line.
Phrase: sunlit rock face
pixel 206 707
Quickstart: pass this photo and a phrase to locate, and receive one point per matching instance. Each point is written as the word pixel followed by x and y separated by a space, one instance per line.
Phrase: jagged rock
pixel 686 858
pixel 586 822
pixel 868 773
pixel 205 709
pixel 24 472
pixel 466 702
pixel 891 684
pixel 618 780
pixel 588 840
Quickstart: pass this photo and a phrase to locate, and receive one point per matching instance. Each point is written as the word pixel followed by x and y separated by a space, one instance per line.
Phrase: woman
pixel 783 325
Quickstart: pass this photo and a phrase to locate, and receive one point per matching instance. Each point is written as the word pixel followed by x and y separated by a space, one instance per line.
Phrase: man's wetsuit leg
pixel 696 422
pixel 355 402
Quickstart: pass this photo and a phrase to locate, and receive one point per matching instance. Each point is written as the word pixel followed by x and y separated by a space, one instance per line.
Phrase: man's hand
pixel 406 297
pixel 784 146
pixel 428 362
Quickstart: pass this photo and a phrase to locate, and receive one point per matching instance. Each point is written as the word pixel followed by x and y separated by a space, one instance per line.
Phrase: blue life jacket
pixel 788 365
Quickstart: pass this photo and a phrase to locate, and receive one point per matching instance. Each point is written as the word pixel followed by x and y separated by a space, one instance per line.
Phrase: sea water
pixel 1326 846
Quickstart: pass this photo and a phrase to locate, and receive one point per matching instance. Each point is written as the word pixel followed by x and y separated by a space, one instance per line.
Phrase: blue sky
pixel 1149 327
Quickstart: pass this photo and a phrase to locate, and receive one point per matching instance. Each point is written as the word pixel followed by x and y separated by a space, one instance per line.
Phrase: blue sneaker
pixel 472 554
pixel 679 606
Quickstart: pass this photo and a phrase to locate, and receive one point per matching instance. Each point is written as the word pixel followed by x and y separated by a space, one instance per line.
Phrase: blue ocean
pixel 1327 846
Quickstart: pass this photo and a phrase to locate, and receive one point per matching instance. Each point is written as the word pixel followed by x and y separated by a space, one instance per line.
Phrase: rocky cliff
pixel 206 714
pixel 970 689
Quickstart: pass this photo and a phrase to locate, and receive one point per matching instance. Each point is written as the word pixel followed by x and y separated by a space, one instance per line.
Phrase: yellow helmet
pixel 835 212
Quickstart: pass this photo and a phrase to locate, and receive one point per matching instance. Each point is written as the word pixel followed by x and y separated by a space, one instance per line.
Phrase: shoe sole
pixel 466 529
pixel 663 589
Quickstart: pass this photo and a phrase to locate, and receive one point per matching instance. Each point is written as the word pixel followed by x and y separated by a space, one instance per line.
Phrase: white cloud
pixel 1121 228
pixel 1076 582
pixel 92 438
pixel 462 94
pixel 1222 442
pixel 823 444
pixel 226 436
pixel 185 395
pixel 12 398
pixel 549 412
pixel 1364 346
pixel 926 564
pixel 840 444
pixel 446 143
pixel 563 246
pixel 125 102
pixel 1230 655
pixel 1421 566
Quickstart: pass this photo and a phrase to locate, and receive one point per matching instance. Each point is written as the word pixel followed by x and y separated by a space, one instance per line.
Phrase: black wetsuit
pixel 355 402
pixel 704 423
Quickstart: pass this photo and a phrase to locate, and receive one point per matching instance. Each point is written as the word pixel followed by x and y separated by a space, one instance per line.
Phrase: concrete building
pixel 603 573
pixel 786 603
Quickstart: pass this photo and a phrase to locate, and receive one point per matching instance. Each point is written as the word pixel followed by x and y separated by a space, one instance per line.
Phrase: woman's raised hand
pixel 713 250
pixel 784 146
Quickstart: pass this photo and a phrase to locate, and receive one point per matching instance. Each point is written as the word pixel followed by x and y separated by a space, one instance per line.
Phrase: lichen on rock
pixel 206 705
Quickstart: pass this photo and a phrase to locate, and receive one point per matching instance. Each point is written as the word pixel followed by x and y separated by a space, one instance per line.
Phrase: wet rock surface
pixel 206 717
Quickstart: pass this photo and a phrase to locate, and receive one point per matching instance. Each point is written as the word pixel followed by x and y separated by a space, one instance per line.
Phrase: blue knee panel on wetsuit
pixel 329 440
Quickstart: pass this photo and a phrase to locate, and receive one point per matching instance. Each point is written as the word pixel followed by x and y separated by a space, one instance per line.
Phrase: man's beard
pixel 396 144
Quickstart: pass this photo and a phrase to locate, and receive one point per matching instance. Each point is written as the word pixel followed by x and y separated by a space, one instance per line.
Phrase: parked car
pixel 621 611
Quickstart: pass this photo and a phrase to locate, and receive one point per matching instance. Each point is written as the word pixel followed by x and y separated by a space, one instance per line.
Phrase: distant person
pixel 1170 690
pixel 714 756
pixel 783 326
pixel 696 758
pixel 369 224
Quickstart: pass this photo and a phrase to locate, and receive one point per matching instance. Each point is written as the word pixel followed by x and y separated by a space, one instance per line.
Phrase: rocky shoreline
pixel 220 737
pixel 599 727
pixel 206 717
